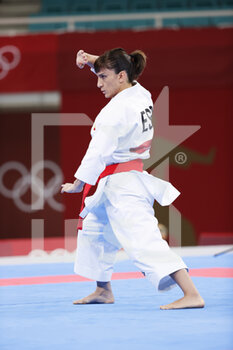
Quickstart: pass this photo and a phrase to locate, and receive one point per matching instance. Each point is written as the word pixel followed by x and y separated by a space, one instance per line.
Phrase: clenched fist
pixel 81 59
pixel 75 187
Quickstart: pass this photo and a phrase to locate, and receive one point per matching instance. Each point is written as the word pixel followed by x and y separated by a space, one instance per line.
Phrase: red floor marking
pixel 41 280
pixel 62 279
pixel 126 275
pixel 224 272
pixel 208 272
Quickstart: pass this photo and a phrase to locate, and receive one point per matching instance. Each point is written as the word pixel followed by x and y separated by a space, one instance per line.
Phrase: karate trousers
pixel 124 218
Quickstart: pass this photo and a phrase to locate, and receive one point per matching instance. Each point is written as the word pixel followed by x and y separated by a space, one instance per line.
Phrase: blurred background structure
pixel 47 15
pixel 189 44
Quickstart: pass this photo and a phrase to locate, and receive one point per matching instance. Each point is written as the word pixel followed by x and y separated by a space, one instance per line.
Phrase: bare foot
pixel 187 302
pixel 102 295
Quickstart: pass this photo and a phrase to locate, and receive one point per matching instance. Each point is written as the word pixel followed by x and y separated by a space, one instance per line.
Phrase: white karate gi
pixel 120 213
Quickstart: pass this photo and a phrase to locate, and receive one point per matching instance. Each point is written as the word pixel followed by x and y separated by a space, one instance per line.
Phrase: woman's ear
pixel 123 77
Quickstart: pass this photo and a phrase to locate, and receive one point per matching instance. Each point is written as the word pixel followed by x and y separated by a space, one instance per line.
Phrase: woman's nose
pixel 99 83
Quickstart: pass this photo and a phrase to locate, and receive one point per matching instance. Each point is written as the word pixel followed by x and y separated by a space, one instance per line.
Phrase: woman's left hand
pixel 75 187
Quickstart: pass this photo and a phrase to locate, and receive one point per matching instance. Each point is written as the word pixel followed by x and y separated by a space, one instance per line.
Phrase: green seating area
pixel 109 7
pixel 116 25
pixel 119 6
pixel 94 25
pixel 47 27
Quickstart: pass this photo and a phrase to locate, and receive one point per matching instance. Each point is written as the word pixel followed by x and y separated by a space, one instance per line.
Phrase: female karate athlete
pixel 120 212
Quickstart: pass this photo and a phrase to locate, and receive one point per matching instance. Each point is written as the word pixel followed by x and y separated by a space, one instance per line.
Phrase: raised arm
pixel 83 58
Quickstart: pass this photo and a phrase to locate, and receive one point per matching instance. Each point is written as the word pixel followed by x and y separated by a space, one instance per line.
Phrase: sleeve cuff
pixel 83 176
pixel 93 70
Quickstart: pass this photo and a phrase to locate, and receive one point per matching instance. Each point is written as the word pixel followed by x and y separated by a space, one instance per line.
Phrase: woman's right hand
pixel 81 59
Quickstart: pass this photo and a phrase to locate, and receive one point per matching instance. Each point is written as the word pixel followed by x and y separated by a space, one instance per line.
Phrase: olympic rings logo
pixel 6 63
pixel 31 180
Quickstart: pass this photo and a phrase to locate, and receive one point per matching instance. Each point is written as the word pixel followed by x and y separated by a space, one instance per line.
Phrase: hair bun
pixel 138 59
pixel 131 57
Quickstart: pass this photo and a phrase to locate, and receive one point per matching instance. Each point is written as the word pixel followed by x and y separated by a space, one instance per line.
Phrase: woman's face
pixel 109 82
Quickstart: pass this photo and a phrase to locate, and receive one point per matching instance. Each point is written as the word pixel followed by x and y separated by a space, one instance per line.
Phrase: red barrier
pixel 196 64
pixel 30 63
pixel 177 58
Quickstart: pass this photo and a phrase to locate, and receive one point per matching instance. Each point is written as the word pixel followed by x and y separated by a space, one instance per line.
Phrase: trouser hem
pixel 99 276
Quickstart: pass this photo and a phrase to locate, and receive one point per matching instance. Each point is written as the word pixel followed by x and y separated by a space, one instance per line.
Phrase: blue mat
pixel 43 317
pixel 48 269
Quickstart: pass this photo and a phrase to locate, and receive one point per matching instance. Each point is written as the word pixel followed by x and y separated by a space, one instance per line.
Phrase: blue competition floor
pixel 42 316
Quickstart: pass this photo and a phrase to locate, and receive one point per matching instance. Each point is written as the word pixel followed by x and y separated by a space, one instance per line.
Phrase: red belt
pixel 136 164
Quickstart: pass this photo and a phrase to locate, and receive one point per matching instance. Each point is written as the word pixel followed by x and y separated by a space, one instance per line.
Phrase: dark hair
pixel 119 60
